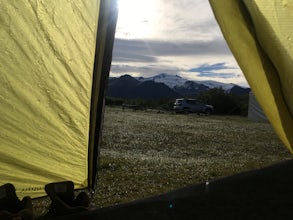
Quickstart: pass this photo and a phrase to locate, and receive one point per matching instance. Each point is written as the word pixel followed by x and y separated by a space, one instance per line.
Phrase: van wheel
pixel 208 112
pixel 186 111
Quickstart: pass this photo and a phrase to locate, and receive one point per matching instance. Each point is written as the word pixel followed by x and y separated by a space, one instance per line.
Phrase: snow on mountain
pixel 190 88
pixel 214 84
pixel 178 81
pixel 165 85
pixel 167 79
pixel 191 85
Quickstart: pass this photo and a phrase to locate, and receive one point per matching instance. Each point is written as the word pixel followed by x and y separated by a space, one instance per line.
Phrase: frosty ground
pixel 146 153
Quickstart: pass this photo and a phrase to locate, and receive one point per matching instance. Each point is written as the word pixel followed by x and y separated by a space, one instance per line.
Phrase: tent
pixel 255 112
pixel 54 64
pixel 259 35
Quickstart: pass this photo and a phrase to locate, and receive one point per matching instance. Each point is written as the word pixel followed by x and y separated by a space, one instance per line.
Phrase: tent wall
pixel 255 112
pixel 47 64
pixel 259 34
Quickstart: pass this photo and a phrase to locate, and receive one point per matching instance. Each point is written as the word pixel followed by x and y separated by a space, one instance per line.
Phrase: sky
pixel 174 37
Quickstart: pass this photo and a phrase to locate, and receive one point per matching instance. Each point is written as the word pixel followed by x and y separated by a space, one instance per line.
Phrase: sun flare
pixel 136 19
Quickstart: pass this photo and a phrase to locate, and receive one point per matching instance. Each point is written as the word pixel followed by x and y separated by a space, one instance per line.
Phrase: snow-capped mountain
pixel 178 81
pixel 165 86
pixel 214 84
pixel 167 79
pixel 130 88
pixel 190 88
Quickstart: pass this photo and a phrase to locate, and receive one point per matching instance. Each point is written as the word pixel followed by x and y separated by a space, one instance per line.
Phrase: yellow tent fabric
pixel 260 35
pixel 46 72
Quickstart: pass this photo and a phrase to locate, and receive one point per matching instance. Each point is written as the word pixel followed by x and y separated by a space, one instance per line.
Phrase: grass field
pixel 145 153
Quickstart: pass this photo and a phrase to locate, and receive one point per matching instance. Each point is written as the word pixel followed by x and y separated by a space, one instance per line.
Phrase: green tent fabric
pixel 260 35
pixel 55 57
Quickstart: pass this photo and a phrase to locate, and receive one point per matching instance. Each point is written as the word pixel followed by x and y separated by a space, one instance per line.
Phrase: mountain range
pixel 165 86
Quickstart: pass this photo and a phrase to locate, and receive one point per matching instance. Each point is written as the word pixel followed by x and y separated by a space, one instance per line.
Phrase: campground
pixel 147 153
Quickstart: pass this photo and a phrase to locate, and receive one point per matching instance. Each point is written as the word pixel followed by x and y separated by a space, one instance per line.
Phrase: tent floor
pixel 265 193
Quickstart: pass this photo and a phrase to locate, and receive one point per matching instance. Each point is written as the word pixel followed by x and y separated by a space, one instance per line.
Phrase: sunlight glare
pixel 137 18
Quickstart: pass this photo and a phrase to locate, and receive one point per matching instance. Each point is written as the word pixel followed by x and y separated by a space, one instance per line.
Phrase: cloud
pixel 186 19
pixel 133 56
pixel 150 50
pixel 218 75
pixel 215 70
pixel 148 58
pixel 206 67
pixel 167 20
pixel 142 70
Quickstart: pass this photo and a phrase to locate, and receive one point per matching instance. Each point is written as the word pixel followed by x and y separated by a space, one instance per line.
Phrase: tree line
pixel 223 102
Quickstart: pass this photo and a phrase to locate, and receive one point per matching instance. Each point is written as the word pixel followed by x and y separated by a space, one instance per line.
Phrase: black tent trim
pixel 102 64
pixel 264 193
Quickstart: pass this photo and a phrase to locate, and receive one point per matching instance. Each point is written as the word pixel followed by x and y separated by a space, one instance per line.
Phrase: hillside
pixel 130 88
pixel 190 88
pixel 239 91
pixel 165 86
